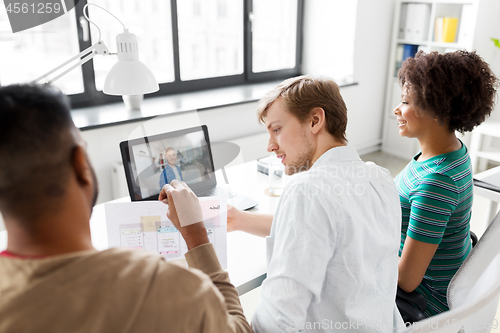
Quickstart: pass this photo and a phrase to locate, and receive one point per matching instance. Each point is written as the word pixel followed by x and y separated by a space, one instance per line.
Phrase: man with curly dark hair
pixel 441 94
pixel 51 277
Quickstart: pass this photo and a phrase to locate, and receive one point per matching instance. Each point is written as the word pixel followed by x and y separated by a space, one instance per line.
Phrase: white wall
pixel 365 101
pixel 495 65
pixel 373 28
pixel 488 26
pixel 491 54
pixel 329 38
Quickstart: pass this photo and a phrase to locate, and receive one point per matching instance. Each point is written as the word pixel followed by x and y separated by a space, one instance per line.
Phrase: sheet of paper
pixel 144 225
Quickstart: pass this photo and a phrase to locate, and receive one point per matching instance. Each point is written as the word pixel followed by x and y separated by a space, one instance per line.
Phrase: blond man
pixel 332 245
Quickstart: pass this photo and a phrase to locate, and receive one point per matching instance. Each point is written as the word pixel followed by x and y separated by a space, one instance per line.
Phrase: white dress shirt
pixel 333 250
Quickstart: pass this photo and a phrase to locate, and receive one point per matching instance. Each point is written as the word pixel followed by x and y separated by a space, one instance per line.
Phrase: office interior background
pixel 290 37
pixel 218 57
pixel 350 41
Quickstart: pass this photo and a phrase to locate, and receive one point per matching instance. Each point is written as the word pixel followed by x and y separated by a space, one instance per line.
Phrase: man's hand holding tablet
pixel 184 211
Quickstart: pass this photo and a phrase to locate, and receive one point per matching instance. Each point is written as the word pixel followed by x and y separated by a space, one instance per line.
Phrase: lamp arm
pixel 89 53
pixel 78 64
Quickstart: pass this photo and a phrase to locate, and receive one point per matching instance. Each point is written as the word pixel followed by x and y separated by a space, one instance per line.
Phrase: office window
pixel 274 34
pixel 26 55
pixel 149 21
pixel 188 44
pixel 210 38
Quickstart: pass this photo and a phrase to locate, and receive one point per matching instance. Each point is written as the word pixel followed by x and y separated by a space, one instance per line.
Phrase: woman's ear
pixel 81 165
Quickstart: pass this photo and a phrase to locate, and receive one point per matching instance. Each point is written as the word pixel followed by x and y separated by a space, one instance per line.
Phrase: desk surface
pixel 246 254
pixel 491 176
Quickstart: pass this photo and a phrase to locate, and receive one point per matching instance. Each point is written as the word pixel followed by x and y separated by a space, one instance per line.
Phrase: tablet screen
pixel 154 161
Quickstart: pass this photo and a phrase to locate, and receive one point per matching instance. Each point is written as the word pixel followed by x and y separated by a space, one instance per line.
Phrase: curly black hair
pixel 457 88
pixel 35 147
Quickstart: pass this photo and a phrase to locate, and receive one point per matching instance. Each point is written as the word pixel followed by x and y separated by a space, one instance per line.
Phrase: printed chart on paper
pixel 144 226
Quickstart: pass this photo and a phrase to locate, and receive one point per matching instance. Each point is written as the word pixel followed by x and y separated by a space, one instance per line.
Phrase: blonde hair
pixel 301 94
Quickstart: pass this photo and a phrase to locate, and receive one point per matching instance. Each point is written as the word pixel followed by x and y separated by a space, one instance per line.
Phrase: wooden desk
pixel 246 254
pixel 491 176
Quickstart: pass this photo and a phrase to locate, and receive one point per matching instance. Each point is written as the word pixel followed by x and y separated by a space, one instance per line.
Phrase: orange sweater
pixel 118 291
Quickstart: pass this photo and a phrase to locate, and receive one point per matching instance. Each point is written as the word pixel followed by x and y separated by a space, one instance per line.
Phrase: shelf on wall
pixel 489 155
pixel 451 2
pixel 412 42
pixel 448 45
pixel 419 1
pixel 455 2
pixel 469 25
pixel 433 44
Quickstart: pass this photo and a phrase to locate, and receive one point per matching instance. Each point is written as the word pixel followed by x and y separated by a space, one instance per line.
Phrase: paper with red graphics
pixel 144 225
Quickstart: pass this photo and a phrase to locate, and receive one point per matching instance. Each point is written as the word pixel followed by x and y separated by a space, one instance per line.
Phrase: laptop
pixel 186 155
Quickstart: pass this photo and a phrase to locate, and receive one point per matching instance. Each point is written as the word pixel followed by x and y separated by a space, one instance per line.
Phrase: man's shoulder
pixel 188 287
pixel 130 257
pixel 133 282
pixel 120 267
pixel 333 185
pixel 357 171
pixel 146 268
pixel 143 264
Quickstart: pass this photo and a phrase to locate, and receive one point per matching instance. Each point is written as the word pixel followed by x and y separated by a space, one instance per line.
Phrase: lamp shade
pixel 129 76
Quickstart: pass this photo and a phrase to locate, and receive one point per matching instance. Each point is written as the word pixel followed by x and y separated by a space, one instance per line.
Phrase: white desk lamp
pixel 129 77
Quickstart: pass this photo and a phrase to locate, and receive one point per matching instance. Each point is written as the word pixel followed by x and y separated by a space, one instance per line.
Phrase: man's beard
pixel 303 162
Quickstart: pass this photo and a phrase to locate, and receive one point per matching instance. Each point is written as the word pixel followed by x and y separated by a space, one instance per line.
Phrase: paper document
pixel 144 225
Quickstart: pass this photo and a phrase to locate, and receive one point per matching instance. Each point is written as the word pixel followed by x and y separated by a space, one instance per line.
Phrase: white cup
pixel 133 102
pixel 277 176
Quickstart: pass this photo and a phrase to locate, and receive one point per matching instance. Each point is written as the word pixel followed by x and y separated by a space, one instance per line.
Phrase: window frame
pixel 92 97
pixel 277 74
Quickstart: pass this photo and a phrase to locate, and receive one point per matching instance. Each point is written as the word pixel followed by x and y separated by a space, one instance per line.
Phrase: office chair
pixel 474 291
pixel 412 305
pixel 456 319
pixel 477 277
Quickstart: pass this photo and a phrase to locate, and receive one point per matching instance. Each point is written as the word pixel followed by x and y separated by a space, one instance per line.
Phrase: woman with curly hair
pixel 441 94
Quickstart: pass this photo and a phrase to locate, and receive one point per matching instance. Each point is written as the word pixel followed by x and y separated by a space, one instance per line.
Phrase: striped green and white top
pixel 436 200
